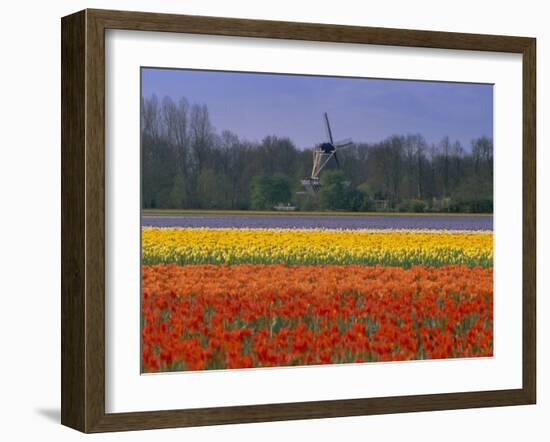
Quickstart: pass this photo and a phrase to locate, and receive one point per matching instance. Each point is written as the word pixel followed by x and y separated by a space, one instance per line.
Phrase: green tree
pixel 260 192
pixel 333 194
pixel 280 189
pixel 474 194
pixel 269 190
pixel 177 194
pixel 211 189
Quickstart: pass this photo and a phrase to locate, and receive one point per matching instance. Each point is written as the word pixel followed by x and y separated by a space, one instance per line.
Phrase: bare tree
pixel 150 117
pixel 445 146
pixel 201 134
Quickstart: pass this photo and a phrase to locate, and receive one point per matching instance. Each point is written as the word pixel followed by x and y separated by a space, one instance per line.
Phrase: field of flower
pixel 219 316
pixel 314 220
pixel 316 247
pixel 218 298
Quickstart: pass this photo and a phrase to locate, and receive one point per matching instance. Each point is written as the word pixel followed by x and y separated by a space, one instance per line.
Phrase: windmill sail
pixel 329 132
pixel 322 153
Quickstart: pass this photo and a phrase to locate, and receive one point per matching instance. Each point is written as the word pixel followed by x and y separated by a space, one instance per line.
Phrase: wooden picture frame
pixel 83 220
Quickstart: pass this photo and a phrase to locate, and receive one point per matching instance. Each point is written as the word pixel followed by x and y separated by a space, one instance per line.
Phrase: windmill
pixel 322 153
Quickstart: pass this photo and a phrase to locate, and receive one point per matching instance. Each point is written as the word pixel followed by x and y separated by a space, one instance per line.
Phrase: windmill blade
pixel 345 146
pixel 336 159
pixel 344 142
pixel 329 132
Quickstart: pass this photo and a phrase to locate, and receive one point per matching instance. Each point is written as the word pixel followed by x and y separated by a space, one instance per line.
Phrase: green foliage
pixel 336 193
pixel 333 195
pixel 281 188
pixel 305 202
pixel 158 172
pixel 358 201
pixel 474 195
pixel 260 190
pixel 269 190
pixel 418 206
pixel 211 190
pixel 178 194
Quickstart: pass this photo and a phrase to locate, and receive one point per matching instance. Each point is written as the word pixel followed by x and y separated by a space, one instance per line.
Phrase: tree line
pixel 187 164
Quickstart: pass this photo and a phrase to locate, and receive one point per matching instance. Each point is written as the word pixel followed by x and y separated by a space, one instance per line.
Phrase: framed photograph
pixel 267 220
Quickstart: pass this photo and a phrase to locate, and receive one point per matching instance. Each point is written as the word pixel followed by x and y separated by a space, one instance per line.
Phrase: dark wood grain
pixel 95 221
pixel 144 21
pixel 73 253
pixel 529 221
pixel 83 220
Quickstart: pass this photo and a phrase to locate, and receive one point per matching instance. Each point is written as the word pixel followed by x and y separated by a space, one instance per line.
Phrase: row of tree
pixel 187 164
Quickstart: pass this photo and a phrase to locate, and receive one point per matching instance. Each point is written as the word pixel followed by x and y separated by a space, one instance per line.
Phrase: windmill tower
pixel 322 153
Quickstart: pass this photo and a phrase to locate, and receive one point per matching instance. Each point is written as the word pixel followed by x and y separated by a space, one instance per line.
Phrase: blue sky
pixel 256 105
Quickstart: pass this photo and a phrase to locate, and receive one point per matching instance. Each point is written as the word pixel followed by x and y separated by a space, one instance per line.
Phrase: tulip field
pixel 224 298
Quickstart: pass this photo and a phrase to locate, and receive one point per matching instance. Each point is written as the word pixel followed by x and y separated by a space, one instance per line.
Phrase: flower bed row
pixel 255 315
pixel 315 247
